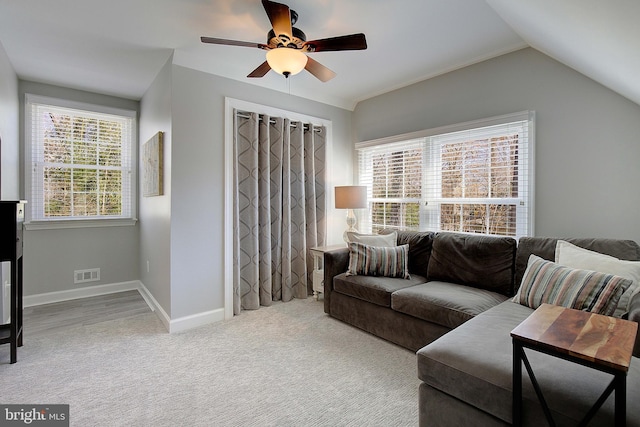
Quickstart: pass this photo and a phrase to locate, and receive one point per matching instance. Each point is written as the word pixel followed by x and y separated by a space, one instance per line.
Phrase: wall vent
pixel 83 276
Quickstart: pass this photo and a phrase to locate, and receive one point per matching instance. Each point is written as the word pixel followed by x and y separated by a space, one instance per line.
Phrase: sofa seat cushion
pixel 473 363
pixel 376 290
pixel 444 303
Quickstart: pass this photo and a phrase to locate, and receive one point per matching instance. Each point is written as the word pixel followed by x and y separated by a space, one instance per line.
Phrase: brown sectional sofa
pixel 456 312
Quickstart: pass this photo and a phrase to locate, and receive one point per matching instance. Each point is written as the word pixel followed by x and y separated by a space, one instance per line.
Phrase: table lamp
pixel 351 197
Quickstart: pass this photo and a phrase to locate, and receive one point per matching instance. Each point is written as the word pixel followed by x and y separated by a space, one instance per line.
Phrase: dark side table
pixel 11 220
pixel 599 342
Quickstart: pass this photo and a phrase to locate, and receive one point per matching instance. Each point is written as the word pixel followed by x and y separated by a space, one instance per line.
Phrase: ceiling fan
pixel 287 46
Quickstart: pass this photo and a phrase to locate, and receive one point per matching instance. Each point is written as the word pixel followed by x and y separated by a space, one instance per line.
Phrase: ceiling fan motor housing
pixel 283 40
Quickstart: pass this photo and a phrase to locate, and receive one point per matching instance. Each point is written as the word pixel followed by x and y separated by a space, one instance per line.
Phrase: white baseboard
pixel 85 292
pixel 155 306
pixel 195 320
pixel 172 325
pixel 182 323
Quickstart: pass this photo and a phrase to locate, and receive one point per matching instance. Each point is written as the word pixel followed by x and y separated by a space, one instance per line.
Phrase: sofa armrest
pixel 634 314
pixel 335 262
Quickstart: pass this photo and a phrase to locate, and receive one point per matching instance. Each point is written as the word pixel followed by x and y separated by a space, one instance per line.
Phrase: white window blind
pixel 393 176
pixel 479 180
pixel 81 163
pixel 476 180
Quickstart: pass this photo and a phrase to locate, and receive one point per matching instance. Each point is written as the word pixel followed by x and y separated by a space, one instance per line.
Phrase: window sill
pixel 79 223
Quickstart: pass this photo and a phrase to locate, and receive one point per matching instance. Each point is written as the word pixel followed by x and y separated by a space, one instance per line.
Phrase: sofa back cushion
pixel 545 247
pixel 420 243
pixel 484 262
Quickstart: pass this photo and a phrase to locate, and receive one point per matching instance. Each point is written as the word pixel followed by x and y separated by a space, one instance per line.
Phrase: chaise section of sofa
pixel 467 374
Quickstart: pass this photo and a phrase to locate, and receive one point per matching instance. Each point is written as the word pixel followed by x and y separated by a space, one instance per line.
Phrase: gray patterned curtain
pixel 279 208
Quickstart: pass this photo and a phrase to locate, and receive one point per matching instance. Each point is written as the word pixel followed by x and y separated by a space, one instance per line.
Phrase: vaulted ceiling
pixel 117 47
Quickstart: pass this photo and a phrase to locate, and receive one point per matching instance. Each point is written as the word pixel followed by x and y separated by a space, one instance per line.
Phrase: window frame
pixel 32 223
pixel 429 211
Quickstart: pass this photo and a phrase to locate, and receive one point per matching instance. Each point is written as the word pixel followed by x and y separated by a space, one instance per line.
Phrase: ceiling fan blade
pixel 350 42
pixel 226 42
pixel 261 70
pixel 320 71
pixel 280 17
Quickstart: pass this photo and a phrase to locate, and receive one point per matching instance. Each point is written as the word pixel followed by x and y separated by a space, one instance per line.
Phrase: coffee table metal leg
pixel 621 400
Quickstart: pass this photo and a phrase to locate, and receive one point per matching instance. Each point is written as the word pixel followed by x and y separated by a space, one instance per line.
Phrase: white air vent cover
pixel 82 276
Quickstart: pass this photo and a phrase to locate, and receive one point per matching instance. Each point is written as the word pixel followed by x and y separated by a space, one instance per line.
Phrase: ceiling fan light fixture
pixel 286 61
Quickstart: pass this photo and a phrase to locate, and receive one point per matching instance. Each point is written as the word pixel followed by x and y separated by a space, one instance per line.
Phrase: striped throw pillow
pixel 547 282
pixel 365 260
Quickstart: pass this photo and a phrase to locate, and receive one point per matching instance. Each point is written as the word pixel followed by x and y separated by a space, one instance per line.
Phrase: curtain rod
pixel 244 115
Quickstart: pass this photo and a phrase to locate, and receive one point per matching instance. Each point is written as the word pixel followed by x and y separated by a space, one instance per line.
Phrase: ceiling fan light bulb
pixel 286 61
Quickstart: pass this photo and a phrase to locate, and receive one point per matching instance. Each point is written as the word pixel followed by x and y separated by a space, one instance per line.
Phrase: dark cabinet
pixel 11 221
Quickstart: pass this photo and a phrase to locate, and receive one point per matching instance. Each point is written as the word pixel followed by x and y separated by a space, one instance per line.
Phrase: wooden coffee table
pixel 599 342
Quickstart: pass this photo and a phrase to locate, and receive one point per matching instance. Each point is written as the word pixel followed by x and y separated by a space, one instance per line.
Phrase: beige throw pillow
pixel 378 240
pixel 574 256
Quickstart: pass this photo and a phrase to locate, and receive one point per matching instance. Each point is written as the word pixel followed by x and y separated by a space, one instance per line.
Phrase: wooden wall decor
pixel 152 176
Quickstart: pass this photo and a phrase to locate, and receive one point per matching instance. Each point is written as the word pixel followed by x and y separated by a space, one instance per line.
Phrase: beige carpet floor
pixel 285 365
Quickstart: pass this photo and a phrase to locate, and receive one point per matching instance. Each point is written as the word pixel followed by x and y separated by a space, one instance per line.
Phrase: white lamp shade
pixel 286 61
pixel 351 197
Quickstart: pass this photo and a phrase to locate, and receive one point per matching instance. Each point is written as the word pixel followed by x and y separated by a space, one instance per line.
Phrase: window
pixel 393 175
pixel 80 161
pixel 475 180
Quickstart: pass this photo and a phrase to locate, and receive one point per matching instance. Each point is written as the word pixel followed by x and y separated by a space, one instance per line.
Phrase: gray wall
pixel 197 183
pixel 9 159
pixel 9 168
pixel 155 212
pixel 587 137
pixel 51 256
